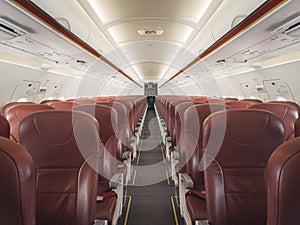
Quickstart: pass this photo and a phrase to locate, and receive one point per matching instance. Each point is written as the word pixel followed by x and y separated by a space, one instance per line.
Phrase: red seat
pixel 65 148
pixel 16 114
pixel 62 105
pixel 4 127
pixel 237 145
pixel 240 104
pixel 17 189
pixel 254 101
pixel 297 127
pixel 107 118
pixel 286 112
pixel 283 183
pixel 194 117
pixel 6 107
pixel 294 104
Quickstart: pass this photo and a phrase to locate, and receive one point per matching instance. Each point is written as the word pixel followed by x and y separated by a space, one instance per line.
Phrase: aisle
pixel 150 195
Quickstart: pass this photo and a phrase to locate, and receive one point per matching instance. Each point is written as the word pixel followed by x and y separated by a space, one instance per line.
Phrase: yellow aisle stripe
pixel 168 180
pixel 163 154
pixel 174 211
pixel 138 158
pixel 134 176
pixel 128 209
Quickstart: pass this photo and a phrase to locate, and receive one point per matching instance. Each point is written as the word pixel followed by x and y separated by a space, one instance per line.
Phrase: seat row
pixel 68 148
pixel 190 159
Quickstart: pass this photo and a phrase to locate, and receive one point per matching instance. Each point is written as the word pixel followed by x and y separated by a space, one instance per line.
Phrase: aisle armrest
pixel 185 183
pixel 100 222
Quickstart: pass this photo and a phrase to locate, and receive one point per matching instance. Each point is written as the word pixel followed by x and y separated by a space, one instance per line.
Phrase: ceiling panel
pixel 112 10
pixel 172 31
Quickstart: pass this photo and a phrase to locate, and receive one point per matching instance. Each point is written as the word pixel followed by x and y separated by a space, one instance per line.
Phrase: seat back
pixel 283 183
pixel 179 118
pixel 172 115
pixel 106 116
pixel 294 104
pixel 62 105
pixel 254 101
pixel 4 127
pixel 286 112
pixel 122 132
pixel 240 104
pixel 17 113
pixel 17 189
pixel 7 107
pixel 194 117
pixel 64 147
pixel 237 145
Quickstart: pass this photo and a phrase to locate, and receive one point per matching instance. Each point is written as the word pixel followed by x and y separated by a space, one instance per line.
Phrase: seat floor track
pixel 150 195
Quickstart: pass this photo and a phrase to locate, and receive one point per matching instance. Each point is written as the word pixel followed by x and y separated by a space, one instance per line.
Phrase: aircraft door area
pixel 252 90
pixel 34 91
pixel 278 89
pixel 26 90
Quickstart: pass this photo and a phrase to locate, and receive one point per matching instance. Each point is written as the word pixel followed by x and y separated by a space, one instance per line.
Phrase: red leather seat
pixel 62 105
pixel 64 146
pixel 297 127
pixel 240 104
pixel 254 101
pixel 122 132
pixel 283 183
pixel 6 107
pixel 17 189
pixel 215 101
pixel 171 118
pixel 107 118
pixel 4 127
pixel 237 145
pixel 16 114
pixel 47 102
pixel 294 104
pixel 286 112
pixel 194 117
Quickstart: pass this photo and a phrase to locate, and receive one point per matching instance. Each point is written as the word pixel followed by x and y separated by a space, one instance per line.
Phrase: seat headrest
pixel 71 135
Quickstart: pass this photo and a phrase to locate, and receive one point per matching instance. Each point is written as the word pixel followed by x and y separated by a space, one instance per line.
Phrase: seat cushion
pixel 196 207
pixel 105 209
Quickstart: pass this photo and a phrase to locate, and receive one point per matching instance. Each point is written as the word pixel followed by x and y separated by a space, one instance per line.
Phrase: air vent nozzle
pixel 291 28
pixel 9 31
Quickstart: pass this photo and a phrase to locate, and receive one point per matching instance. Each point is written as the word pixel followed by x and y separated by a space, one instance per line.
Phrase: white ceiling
pixel 110 26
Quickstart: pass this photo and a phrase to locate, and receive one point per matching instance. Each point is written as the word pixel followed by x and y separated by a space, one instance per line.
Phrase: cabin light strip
pixel 265 9
pixel 41 16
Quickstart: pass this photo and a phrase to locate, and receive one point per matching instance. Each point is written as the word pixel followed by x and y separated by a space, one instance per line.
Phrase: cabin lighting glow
pixel 281 99
pixel 22 100
pixel 96 9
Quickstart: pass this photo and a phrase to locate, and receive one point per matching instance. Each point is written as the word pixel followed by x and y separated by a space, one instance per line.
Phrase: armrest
pixel 116 180
pixel 168 139
pixel 126 155
pixel 175 154
pixel 117 185
pixel 100 222
pixel 202 222
pixel 187 180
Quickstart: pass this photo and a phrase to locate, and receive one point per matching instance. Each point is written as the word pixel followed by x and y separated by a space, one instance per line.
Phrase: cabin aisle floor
pixel 150 195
